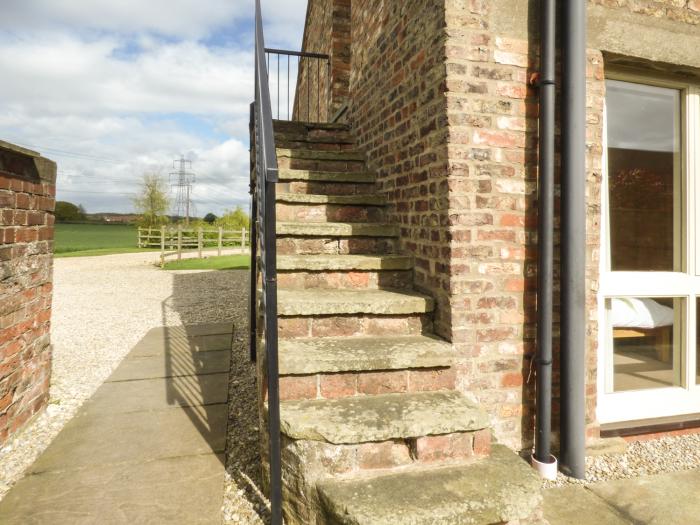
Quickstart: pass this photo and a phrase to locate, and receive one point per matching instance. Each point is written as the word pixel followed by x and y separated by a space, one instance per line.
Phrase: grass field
pixel 77 240
pixel 224 262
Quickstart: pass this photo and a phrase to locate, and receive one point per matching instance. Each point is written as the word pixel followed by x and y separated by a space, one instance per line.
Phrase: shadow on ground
pixel 219 297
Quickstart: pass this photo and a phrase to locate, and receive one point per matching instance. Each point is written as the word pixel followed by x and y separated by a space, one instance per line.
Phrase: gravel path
pixel 102 307
pixel 654 456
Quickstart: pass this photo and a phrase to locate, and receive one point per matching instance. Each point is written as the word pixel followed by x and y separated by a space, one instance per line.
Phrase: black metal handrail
pixel 263 177
pixel 308 101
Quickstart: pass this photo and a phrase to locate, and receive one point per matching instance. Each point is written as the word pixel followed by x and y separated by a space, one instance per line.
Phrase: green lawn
pixel 78 240
pixel 224 262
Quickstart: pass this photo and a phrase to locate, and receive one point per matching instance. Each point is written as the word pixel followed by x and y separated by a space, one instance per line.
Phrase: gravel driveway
pixel 102 307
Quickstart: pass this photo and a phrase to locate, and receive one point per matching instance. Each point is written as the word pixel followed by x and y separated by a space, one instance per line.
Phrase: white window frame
pixel 669 401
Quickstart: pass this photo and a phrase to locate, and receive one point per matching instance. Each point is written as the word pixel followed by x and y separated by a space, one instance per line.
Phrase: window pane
pixel 646 342
pixel 643 127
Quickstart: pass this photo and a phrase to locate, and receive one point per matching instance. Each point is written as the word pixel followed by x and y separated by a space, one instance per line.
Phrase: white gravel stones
pixel 102 307
pixel 653 456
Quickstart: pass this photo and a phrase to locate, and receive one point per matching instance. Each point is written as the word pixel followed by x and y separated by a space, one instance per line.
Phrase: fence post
pixel 138 237
pixel 162 246
pixel 221 237
pixel 242 239
pixel 199 242
pixel 179 242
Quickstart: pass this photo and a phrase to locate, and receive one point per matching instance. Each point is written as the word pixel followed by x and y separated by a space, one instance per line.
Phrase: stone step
pixel 316 154
pixel 289 175
pixel 319 263
pixel 297 126
pixel 351 200
pixel 500 488
pixel 374 418
pixel 349 301
pixel 337 229
pixel 353 354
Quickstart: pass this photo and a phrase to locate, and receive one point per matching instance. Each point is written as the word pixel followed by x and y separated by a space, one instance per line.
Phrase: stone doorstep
pixel 350 200
pixel 288 175
pixel 348 354
pixel 337 229
pixel 497 489
pixel 380 417
pixel 348 262
pixel 349 301
pixel 311 154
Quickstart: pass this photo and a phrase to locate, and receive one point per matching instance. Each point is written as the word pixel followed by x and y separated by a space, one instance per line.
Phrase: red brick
pixel 445 447
pixel 482 442
pixel 334 386
pixel 386 454
pixel 298 387
pixel 382 382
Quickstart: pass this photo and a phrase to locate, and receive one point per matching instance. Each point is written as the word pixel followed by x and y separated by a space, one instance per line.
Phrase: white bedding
pixel 636 312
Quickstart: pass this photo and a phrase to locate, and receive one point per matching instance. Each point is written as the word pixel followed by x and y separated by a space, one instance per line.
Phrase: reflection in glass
pixel 643 127
pixel 644 342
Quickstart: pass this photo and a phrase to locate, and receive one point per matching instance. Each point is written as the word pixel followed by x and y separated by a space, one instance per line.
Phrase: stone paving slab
pixel 159 346
pixel 180 364
pixel 158 394
pixel 576 505
pixel 191 330
pixel 662 499
pixel 98 440
pixel 185 490
pixel 146 448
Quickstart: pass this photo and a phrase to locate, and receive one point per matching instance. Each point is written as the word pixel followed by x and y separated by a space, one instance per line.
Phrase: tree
pixel 234 219
pixel 67 212
pixel 153 202
pixel 210 218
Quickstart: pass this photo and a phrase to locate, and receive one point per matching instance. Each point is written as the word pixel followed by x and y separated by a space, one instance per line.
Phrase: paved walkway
pixel 146 448
pixel 663 499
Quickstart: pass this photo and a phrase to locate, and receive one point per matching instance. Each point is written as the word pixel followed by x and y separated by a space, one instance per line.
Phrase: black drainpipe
pixel 545 230
pixel 573 239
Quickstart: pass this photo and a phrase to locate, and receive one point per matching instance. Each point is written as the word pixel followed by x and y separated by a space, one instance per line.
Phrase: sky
pixel 113 89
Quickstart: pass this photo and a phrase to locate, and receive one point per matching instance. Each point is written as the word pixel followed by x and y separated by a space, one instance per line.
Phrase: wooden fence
pixel 174 241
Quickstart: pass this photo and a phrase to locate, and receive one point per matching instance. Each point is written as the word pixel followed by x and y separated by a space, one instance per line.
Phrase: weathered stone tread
pixel 339 229
pixel 346 262
pixel 315 154
pixel 346 354
pixel 499 489
pixel 359 177
pixel 364 419
pixel 305 198
pixel 351 301
pixel 299 125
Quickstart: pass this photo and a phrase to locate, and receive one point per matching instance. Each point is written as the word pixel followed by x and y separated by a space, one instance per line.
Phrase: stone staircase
pixel 373 428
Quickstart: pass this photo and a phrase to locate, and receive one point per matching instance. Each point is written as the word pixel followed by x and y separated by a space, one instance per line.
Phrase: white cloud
pixel 178 18
pixel 113 88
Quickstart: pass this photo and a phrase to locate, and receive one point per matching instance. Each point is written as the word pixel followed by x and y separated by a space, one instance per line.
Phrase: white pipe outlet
pixel 546 470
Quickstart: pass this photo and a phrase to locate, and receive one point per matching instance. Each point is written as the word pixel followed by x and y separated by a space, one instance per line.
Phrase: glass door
pixel 648 284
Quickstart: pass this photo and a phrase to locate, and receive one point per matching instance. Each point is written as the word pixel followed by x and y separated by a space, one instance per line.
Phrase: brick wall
pixel 441 102
pixel 322 88
pixel 398 114
pixel 27 191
